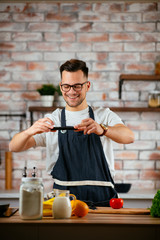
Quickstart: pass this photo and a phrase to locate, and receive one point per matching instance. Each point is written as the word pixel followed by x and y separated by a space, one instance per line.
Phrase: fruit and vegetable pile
pixel 79 208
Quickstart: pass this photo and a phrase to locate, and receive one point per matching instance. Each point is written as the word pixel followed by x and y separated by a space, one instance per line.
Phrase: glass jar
pixel 31 198
pixel 154 99
pixel 157 66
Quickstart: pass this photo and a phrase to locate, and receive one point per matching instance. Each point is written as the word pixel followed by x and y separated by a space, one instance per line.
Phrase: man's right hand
pixel 24 140
pixel 40 126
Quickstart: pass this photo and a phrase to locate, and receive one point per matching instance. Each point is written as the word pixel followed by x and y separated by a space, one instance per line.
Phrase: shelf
pixel 135 109
pixel 42 109
pixel 33 109
pixel 135 77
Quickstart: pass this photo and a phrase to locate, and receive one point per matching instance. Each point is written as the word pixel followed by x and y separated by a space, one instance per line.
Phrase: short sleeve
pixel 40 139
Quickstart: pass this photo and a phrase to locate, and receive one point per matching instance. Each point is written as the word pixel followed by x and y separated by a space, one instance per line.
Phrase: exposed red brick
pixel 118 165
pixel 64 17
pixel 63 37
pixel 140 67
pixel 154 156
pixel 36 66
pixel 11 86
pixel 150 175
pixel 150 37
pixel 126 155
pixel 94 75
pixel 5 36
pixel 140 7
pixel 116 7
pixel 43 27
pixel 28 17
pixel 93 17
pixel 125 17
pixel 102 56
pixel 12 26
pixel 30 95
pixel 33 86
pixel 14 66
pixel 151 16
pixel 92 37
pixel 4 76
pixel 140 27
pixel 123 36
pixel 75 27
pixel 125 57
pixel 27 36
pixel 140 47
pixel 43 46
pixel 6 46
pixel 104 96
pixel 149 56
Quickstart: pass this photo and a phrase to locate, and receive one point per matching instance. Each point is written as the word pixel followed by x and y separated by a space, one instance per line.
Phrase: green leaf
pixel 47 89
pixel 155 208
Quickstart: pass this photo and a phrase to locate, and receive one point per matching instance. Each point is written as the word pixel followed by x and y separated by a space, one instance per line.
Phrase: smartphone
pixel 63 128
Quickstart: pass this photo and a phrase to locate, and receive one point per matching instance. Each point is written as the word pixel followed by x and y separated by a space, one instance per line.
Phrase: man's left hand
pixel 89 126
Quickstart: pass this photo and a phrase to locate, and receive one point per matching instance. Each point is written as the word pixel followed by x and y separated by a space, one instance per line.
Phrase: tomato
pixel 116 203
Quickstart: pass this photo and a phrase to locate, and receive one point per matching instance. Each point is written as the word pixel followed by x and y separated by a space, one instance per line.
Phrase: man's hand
pixel 118 133
pixel 40 126
pixel 24 140
pixel 89 126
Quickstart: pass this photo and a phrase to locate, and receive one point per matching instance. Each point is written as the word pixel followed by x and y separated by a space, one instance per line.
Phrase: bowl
pixel 122 187
pixel 3 208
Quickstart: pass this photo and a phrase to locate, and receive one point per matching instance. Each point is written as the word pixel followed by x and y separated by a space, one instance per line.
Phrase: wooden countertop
pixel 91 227
pixel 90 218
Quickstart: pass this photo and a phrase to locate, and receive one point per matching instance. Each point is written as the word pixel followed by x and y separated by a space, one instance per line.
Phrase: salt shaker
pixel 31 198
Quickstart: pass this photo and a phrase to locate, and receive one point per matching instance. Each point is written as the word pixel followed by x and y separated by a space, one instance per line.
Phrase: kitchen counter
pixel 134 198
pixel 92 226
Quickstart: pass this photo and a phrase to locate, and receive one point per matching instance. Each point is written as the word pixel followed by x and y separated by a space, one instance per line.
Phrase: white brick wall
pixel 113 38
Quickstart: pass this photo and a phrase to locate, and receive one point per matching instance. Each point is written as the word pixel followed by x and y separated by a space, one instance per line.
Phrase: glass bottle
pixel 31 198
pixel 157 66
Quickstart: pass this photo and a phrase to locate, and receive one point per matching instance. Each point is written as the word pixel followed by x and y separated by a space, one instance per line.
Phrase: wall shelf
pixel 135 77
pixel 33 109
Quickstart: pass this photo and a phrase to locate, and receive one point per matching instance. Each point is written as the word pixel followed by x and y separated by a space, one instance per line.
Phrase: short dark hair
pixel 74 65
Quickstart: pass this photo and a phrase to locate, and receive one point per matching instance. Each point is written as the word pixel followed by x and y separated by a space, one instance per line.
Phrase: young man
pixel 80 160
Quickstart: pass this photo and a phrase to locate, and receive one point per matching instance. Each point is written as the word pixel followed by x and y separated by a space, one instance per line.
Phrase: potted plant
pixel 59 90
pixel 47 92
pixel 59 101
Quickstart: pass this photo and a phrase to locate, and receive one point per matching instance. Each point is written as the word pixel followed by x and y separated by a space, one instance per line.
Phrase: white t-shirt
pixel 50 139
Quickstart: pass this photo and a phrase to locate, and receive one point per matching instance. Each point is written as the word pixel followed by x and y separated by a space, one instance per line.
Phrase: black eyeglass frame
pixel 72 86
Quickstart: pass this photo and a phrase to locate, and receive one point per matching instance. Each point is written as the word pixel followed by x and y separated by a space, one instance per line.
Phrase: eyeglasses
pixel 76 87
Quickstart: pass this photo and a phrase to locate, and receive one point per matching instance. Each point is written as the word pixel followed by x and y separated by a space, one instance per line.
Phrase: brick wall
pixel 113 38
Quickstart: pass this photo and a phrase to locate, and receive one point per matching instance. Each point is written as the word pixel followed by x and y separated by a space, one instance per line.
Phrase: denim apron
pixel 82 167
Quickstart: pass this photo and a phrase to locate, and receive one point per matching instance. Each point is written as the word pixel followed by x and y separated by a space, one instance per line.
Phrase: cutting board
pixel 109 210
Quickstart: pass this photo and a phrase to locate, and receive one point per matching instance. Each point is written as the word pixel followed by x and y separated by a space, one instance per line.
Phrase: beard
pixel 76 103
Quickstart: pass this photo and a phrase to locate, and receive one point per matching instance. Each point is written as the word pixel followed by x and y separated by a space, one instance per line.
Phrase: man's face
pixel 74 98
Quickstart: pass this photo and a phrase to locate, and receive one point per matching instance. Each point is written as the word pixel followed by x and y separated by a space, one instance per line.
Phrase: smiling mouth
pixel 73 97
